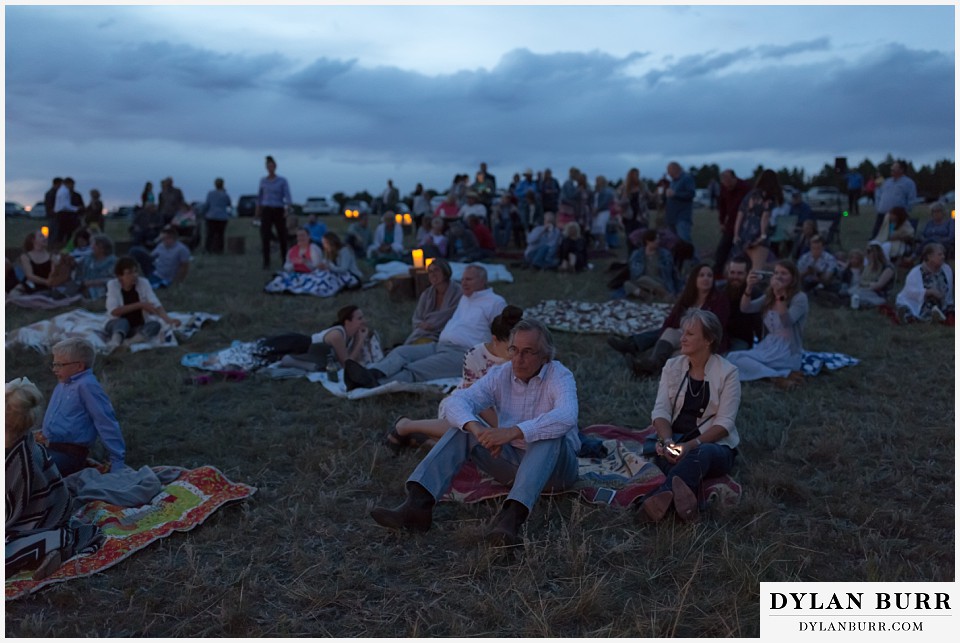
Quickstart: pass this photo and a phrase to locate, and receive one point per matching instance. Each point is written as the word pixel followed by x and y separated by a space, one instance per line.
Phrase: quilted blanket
pixel 615 317
pixel 180 506
pixel 441 386
pixel 42 335
pixel 320 283
pixel 624 474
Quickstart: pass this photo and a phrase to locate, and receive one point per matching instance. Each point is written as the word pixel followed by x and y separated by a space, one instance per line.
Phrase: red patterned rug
pixel 624 471
pixel 182 505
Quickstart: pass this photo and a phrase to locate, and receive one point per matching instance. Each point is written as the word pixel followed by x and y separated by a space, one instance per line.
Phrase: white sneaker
pixel 937 315
pixel 114 343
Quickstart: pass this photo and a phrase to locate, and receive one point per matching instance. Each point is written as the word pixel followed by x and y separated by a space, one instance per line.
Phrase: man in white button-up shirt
pixel 534 447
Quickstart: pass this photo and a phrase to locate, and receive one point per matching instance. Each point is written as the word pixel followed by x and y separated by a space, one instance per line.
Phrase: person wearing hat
pixel 171 259
pixel 472 207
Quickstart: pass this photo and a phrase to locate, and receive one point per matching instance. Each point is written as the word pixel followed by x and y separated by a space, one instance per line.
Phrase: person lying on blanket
pixel 694 416
pixel 39 534
pixel 79 410
pixel 533 446
pixel 133 305
pixel 469 326
pixel 347 339
pixel 478 360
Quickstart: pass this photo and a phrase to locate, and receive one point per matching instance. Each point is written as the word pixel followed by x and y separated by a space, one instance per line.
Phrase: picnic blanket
pixel 812 363
pixel 495 271
pixel 624 469
pixel 440 386
pixel 615 317
pixel 42 335
pixel 250 357
pixel 41 301
pixel 319 283
pixel 180 506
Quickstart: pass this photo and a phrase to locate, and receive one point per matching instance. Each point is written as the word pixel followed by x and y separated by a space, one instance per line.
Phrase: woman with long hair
pixel 700 292
pixel 783 307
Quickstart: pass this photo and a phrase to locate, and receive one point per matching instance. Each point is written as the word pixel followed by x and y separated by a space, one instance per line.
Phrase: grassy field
pixel 849 477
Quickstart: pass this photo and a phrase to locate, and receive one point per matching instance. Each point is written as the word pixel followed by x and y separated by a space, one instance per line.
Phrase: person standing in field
pixel 273 199
pixel 679 202
pixel 216 212
pixel 898 190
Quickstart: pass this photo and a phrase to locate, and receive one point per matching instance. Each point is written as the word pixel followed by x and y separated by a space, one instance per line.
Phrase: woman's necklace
pixel 697 395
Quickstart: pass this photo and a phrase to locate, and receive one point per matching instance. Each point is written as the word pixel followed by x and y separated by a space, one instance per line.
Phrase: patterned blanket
pixel 625 472
pixel 42 335
pixel 40 301
pixel 250 357
pixel 812 363
pixel 180 506
pixel 320 283
pixel 495 271
pixel 615 317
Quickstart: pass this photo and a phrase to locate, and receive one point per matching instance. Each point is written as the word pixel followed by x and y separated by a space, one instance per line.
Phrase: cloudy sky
pixel 346 97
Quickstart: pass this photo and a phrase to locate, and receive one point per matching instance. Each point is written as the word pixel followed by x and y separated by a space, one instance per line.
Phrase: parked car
pixel 38 211
pixel 247 205
pixel 122 212
pixel 354 208
pixel 822 196
pixel 319 205
pixel 14 209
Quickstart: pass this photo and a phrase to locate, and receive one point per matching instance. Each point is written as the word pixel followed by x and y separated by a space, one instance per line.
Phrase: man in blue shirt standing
pixel 854 191
pixel 79 411
pixel 680 202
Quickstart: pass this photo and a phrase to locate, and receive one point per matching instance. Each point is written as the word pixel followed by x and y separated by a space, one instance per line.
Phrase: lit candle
pixel 429 261
pixel 399 219
pixel 417 259
pixel 953 214
pixel 407 219
pixel 45 231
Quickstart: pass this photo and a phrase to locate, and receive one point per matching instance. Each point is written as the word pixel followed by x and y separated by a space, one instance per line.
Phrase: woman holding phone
pixel 694 417
pixel 784 309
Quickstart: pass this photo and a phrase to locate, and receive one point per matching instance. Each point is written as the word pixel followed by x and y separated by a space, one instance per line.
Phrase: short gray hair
pixel 104 242
pixel 77 348
pixel 547 347
pixel 480 270
pixel 709 322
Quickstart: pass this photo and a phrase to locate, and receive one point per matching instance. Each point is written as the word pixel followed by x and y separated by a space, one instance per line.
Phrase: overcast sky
pixel 346 97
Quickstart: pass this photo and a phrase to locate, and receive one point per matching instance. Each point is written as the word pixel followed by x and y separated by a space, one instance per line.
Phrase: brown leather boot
pixel 506 525
pixel 415 513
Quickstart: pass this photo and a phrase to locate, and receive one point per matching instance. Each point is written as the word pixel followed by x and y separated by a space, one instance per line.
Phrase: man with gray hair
pixel 469 326
pixel 79 411
pixel 533 447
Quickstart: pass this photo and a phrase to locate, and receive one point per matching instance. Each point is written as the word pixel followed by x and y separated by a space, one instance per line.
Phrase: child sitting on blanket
pixel 133 306
pixel 39 534
pixel 476 363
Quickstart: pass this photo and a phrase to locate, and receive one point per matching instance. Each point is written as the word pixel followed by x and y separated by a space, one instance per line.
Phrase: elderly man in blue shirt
pixel 533 447
pixel 79 411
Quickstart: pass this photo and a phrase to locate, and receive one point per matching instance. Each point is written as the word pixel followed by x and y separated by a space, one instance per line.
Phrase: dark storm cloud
pixel 781 51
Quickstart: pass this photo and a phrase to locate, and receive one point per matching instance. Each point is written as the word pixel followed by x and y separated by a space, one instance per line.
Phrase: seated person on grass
pixel 96 270
pixel 698 292
pixel 469 326
pixel 37 264
pixel 478 360
pixel 543 243
pixel 167 263
pixel 694 417
pixel 316 228
pixel 876 278
pixel 304 255
pixel 436 304
pixel 653 273
pixel 39 534
pixel 939 229
pixel 79 411
pixel 432 239
pixel 533 447
pixel 358 236
pixel 927 293
pixel 818 268
pixel 462 245
pixel 387 240
pixel 133 306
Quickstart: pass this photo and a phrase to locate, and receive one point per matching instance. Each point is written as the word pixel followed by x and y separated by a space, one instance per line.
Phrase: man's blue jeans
pixel 545 464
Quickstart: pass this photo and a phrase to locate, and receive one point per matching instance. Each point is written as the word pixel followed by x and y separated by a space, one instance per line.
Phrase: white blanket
pixel 338 388
pixel 42 335
pixel 495 271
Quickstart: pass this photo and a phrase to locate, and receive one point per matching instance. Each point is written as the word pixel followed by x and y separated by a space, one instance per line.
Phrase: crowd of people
pixel 515 410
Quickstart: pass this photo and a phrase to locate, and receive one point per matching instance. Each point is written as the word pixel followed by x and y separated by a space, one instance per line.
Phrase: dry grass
pixel 848 477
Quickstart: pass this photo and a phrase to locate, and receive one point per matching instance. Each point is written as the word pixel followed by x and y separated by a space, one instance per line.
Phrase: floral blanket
pixel 42 335
pixel 615 317
pixel 624 471
pixel 319 283
pixel 180 506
